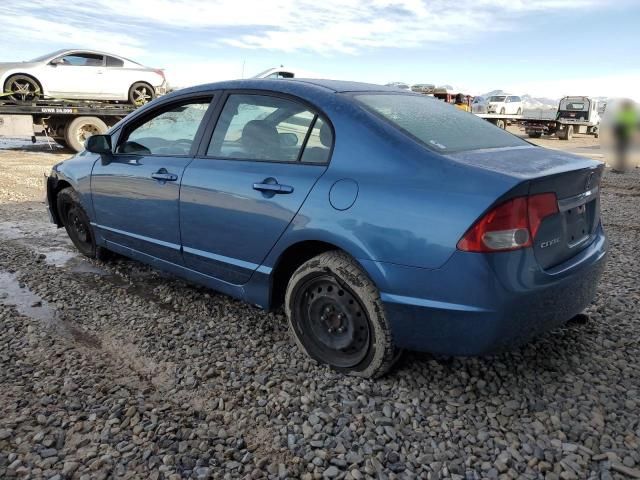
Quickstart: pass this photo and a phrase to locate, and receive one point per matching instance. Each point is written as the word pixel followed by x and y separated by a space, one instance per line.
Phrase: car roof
pixel 293 84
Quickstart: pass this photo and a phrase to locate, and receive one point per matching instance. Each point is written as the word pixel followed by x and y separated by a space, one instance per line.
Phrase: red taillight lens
pixel 161 73
pixel 509 226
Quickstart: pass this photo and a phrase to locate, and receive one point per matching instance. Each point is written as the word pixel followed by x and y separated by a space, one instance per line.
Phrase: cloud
pixel 328 27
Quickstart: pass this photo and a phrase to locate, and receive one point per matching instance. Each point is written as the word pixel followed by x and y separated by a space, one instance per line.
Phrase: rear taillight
pixel 161 73
pixel 509 226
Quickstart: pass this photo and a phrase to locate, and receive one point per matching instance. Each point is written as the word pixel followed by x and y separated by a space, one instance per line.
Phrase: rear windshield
pixel 497 98
pixel 440 126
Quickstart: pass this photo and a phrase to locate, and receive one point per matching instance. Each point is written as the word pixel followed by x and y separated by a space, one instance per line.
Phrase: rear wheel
pixel 77 224
pixel 22 89
pixel 81 128
pixel 336 316
pixel 141 93
pixel 535 134
pixel 569 134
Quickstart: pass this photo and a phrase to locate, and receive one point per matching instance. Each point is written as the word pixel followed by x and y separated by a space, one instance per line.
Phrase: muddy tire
pixel 336 316
pixel 77 224
pixel 81 128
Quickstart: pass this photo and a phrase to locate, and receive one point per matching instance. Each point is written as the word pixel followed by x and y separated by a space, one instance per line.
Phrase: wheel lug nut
pixel 330 330
pixel 323 318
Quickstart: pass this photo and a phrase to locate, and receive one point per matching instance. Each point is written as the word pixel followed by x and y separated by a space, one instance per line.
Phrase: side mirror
pixel 98 144
pixel 56 61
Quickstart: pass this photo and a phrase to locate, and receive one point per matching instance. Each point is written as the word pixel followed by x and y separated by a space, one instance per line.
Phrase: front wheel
pixel 141 93
pixel 337 318
pixel 77 224
pixel 22 89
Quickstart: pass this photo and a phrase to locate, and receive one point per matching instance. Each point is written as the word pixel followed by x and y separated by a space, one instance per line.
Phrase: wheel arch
pixel 7 76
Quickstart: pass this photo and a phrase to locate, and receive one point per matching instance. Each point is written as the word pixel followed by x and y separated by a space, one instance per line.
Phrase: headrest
pixel 259 133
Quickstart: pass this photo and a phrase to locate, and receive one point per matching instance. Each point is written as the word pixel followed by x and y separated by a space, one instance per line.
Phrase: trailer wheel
pixel 23 89
pixel 141 93
pixel 535 134
pixel 80 128
pixel 501 124
pixel 569 134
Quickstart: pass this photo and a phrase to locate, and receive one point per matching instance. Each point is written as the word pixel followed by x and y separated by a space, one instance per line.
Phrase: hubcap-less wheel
pixel 78 229
pixel 334 320
pixel 22 89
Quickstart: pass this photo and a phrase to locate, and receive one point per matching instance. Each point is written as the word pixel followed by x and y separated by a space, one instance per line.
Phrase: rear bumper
pixel 477 304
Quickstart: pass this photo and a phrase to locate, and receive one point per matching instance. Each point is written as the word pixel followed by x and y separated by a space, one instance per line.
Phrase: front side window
pixel 261 127
pixel 170 132
pixel 83 60
pixel 439 126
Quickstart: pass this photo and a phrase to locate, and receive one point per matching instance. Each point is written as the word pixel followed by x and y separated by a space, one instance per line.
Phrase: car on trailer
pixel 81 75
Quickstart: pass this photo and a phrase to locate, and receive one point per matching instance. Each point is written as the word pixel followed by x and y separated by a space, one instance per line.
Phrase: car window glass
pixel 171 132
pixel 439 126
pixel 260 127
pixel 83 60
pixel 319 143
pixel 114 62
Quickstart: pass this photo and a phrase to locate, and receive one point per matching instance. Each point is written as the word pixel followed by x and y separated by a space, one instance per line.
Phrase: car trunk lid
pixel 574 180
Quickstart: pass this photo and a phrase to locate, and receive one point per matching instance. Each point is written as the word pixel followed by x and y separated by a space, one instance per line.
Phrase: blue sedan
pixel 381 219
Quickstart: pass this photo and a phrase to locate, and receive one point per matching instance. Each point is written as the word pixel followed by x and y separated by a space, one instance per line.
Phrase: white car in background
pixel 81 75
pixel 505 104
pixel 400 85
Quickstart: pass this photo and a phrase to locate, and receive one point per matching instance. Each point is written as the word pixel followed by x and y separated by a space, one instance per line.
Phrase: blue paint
pixel 396 206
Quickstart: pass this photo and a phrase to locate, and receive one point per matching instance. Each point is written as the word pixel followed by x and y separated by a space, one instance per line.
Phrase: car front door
pixel 76 74
pixel 242 191
pixel 136 190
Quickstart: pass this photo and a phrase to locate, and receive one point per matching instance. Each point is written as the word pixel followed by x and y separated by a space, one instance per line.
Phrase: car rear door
pixel 135 190
pixel 246 185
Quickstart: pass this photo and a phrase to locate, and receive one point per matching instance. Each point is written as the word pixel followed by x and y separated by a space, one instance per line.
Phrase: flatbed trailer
pixel 69 123
pixel 574 115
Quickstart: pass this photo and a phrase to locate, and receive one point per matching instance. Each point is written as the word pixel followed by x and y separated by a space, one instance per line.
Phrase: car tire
pixel 336 316
pixel 81 128
pixel 569 134
pixel 23 88
pixel 535 135
pixel 77 224
pixel 141 93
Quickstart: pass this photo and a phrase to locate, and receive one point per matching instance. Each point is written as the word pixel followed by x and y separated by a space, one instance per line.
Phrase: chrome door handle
pixel 164 176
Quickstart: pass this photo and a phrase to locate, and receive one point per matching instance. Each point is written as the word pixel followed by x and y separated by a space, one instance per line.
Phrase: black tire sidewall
pixel 68 201
pixel 381 353
pixel 69 135
pixel 132 100
pixel 27 78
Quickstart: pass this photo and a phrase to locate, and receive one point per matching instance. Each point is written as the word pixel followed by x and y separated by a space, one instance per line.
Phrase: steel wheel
pixel 331 316
pixel 23 89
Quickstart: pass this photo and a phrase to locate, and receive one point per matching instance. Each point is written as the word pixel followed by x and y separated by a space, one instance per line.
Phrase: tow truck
pixel 68 123
pixel 574 115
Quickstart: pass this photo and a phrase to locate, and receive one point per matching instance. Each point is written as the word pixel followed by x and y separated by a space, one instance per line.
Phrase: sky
pixel 545 48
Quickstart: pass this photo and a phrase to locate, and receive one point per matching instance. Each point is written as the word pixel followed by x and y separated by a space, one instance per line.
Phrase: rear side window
pixel 114 62
pixel 441 127
pixel 266 128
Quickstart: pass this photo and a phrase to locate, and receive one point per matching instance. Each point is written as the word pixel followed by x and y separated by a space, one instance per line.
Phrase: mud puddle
pixel 14 293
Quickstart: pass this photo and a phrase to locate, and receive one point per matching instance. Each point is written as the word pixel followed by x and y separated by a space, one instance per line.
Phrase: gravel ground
pixel 112 370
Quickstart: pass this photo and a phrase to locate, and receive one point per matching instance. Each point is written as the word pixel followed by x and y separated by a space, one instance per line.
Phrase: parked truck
pixel 574 115
pixel 69 123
